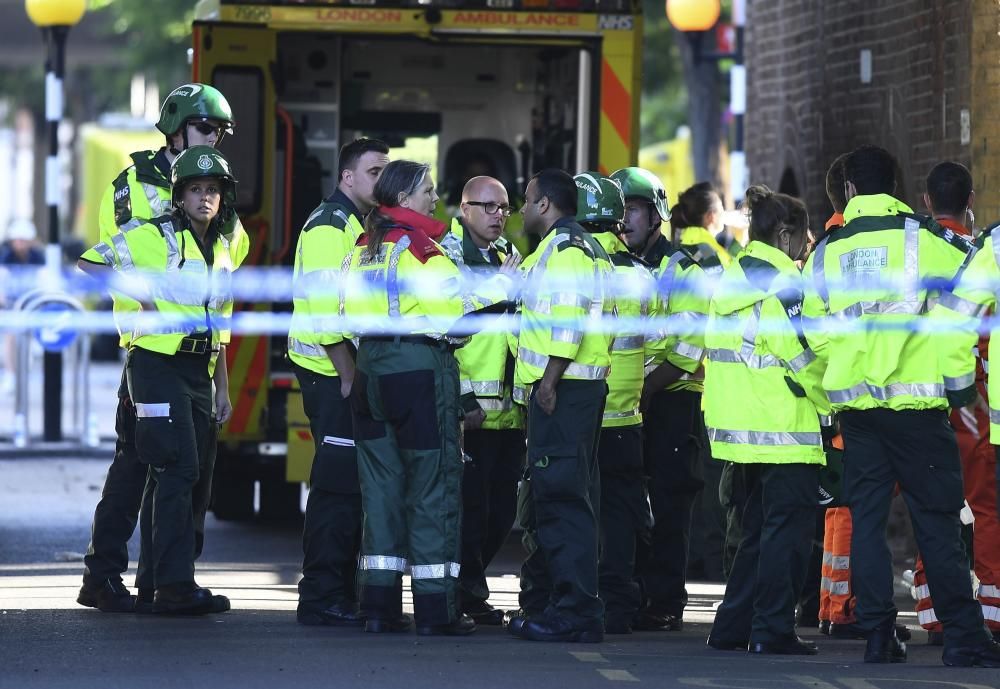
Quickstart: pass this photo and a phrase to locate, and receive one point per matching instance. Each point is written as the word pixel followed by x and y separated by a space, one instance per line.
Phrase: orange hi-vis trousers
pixel 979 481
pixel 836 604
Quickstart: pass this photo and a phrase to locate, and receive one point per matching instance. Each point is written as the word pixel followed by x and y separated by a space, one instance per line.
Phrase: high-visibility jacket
pixel 566 308
pixel 763 393
pixel 486 361
pixel 705 248
pixel 634 288
pixel 868 288
pixel 411 287
pixel 682 310
pixel 139 193
pixel 325 243
pixel 189 285
pixel 961 312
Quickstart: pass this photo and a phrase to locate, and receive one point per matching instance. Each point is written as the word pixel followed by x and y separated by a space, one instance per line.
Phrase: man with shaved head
pixel 494 426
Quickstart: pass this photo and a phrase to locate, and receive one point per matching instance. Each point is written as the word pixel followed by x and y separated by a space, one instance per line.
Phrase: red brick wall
pixel 806 103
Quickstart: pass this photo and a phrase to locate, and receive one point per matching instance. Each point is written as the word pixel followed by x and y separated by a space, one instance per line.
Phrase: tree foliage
pixel 664 98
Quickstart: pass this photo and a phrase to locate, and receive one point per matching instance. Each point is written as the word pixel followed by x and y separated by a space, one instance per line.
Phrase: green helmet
pixel 203 161
pixel 194 102
pixel 599 199
pixel 639 183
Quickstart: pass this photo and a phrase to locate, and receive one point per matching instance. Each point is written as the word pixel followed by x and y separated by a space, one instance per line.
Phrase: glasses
pixel 491 208
pixel 205 128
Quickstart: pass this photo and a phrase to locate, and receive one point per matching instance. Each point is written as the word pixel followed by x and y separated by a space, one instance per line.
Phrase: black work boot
pixel 987 654
pixel 884 645
pixel 185 598
pixel 111 595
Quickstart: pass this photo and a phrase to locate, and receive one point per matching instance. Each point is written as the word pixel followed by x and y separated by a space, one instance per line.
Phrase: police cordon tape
pixel 256 288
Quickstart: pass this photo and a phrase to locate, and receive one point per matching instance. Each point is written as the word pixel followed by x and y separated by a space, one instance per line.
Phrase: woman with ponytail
pixel 763 401
pixel 696 219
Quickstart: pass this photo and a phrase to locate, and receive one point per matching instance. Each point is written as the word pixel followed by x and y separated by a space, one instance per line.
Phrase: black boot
pixel 884 645
pixel 986 654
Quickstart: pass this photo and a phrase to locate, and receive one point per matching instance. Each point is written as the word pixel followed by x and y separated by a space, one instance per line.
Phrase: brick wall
pixel 806 103
pixel 985 78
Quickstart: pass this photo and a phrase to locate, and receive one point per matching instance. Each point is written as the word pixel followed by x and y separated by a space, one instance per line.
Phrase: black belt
pixel 412 339
pixel 193 345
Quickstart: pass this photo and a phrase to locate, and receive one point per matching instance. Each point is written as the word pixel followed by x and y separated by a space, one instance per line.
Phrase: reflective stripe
pixel 304 348
pixel 481 388
pixel 887 392
pixel 157 204
pixel 343 216
pixel 339 442
pixel 866 308
pixel 688 350
pixel 152 411
pixel 819 273
pixel 827 557
pixel 963 306
pixel 574 369
pixel 960 382
pixel 666 285
pixel 824 584
pixel 447 569
pixel 911 260
pixel 106 253
pixel 991 613
pixel 567 335
pixel 840 588
pixel 988 591
pixel 801 361
pixel 631 413
pixel 750 332
pixel 580 301
pixel 383 562
pixel 124 254
pixel 770 438
pixel 494 404
pixel 926 616
pixel 841 562
pixel 729 356
pixel 391 279
pixel 628 342
pixel 520 395
pixel 825 421
pixel 922 592
pixel 994 415
pixel 173 251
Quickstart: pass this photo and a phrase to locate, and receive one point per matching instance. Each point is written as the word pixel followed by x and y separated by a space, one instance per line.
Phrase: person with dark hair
pixel 191 115
pixel 696 219
pixel 181 265
pixel 493 425
pixel 891 378
pixel 323 361
pixel 760 360
pixel 949 199
pixel 563 359
pixel 673 427
pixel 403 298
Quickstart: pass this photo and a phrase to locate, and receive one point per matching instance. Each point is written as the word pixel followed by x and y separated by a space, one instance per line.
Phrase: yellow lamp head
pixel 55 12
pixel 693 15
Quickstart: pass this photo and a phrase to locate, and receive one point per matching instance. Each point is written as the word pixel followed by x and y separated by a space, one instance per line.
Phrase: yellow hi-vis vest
pixel 705 249
pixel 866 304
pixel 411 288
pixel 682 312
pixel 763 391
pixel 634 288
pixel 567 308
pixel 139 193
pixel 324 245
pixel 484 360
pixel 190 296
pixel 957 318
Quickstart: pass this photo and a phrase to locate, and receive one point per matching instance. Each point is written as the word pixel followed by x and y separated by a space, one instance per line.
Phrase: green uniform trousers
pixel 559 505
pixel 331 535
pixel 174 435
pixel 407 423
pixel 769 571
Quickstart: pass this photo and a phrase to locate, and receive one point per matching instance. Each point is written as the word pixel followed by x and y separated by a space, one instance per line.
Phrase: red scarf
pixel 955 226
pixel 406 218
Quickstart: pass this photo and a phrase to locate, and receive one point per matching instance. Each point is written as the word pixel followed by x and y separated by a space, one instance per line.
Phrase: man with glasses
pixel 494 425
pixel 191 115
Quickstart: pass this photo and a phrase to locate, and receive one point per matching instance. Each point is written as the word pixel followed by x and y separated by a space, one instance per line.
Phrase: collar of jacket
pixel 954 225
pixel 470 250
pixel 152 167
pixel 343 200
pixel 874 204
pixel 835 220
pixel 776 257
pixel 611 242
pixel 406 218
pixel 661 248
pixel 758 272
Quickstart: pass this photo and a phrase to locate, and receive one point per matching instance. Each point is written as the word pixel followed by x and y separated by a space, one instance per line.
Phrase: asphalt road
pixel 46 640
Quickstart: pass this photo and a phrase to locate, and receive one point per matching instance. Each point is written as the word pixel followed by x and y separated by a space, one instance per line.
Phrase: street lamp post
pixel 54 18
pixel 695 18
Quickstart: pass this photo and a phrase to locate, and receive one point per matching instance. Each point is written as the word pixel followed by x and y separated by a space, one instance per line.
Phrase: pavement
pixel 47 640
